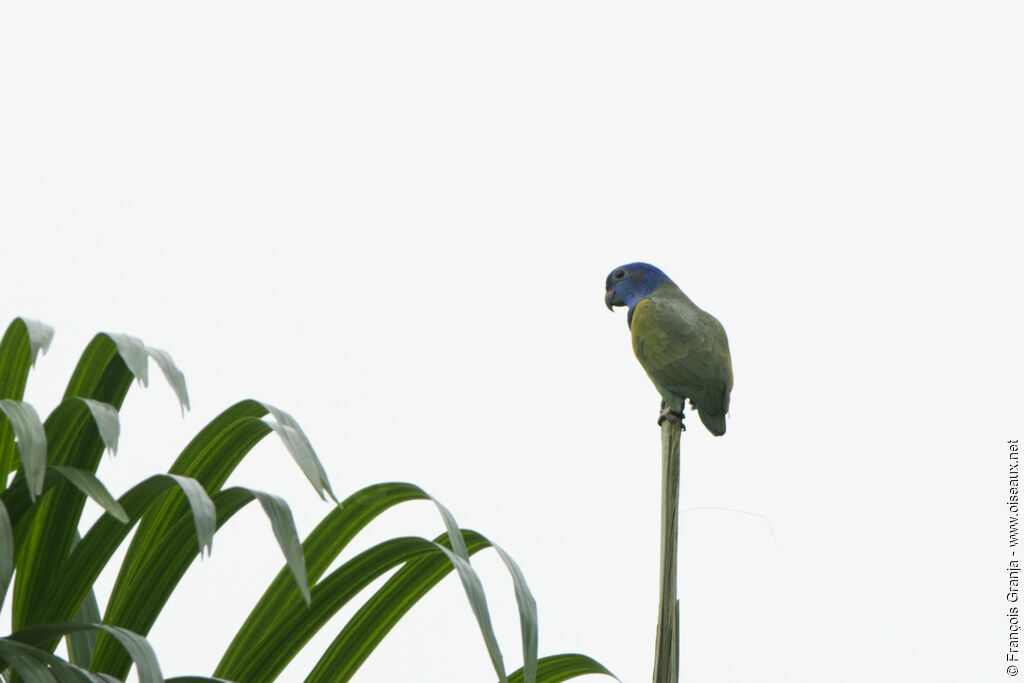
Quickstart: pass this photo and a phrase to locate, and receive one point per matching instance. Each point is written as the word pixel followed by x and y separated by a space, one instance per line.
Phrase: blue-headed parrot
pixel 683 348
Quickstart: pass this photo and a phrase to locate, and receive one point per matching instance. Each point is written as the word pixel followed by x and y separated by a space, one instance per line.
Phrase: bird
pixel 683 349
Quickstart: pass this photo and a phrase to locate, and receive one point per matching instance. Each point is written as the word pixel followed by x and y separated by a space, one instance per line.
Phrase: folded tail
pixel 714 423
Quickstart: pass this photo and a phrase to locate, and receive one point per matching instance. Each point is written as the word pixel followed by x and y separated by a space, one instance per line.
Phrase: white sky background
pixel 394 220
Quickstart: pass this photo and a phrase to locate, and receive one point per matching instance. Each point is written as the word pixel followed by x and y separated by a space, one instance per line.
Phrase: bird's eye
pixel 619 274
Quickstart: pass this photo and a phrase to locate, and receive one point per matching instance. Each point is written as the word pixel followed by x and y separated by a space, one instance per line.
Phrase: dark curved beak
pixel 611 299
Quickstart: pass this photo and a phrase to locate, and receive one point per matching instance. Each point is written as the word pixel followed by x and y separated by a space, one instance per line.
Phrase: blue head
pixel 630 284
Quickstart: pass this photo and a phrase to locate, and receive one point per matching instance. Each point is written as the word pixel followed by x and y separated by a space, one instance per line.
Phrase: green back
pixel 685 352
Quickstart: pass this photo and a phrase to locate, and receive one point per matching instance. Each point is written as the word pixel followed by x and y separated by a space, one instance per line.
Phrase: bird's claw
pixel 672 416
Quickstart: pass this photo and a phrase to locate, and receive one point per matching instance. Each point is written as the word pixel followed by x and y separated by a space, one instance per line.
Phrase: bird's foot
pixel 672 416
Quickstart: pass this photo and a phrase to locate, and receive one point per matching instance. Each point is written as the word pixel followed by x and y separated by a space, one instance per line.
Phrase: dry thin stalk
pixel 666 649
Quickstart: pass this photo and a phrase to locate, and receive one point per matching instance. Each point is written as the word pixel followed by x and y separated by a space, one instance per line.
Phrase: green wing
pixel 686 354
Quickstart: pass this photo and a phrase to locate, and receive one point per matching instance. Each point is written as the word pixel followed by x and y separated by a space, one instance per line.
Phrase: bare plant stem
pixel 666 649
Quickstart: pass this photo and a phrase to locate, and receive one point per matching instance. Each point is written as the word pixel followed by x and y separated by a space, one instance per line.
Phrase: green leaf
pixel 297 623
pixel 134 354
pixel 210 458
pixel 320 548
pixel 302 451
pixel 21 344
pixel 173 375
pixel 101 373
pixel 25 660
pixel 73 440
pixel 82 643
pixel 17 497
pixel 6 552
pixel 106 419
pixel 244 659
pixel 28 430
pixel 382 612
pixel 137 647
pixel 18 348
pixel 79 571
pixel 214 453
pixel 76 432
pixel 283 525
pixel 475 592
pixel 18 502
pixel 56 569
pixel 88 484
pixel 478 603
pixel 144 594
pixel 35 665
pixel 527 615
pixel 40 336
pixel 557 668
pixel 204 512
pixel 323 546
